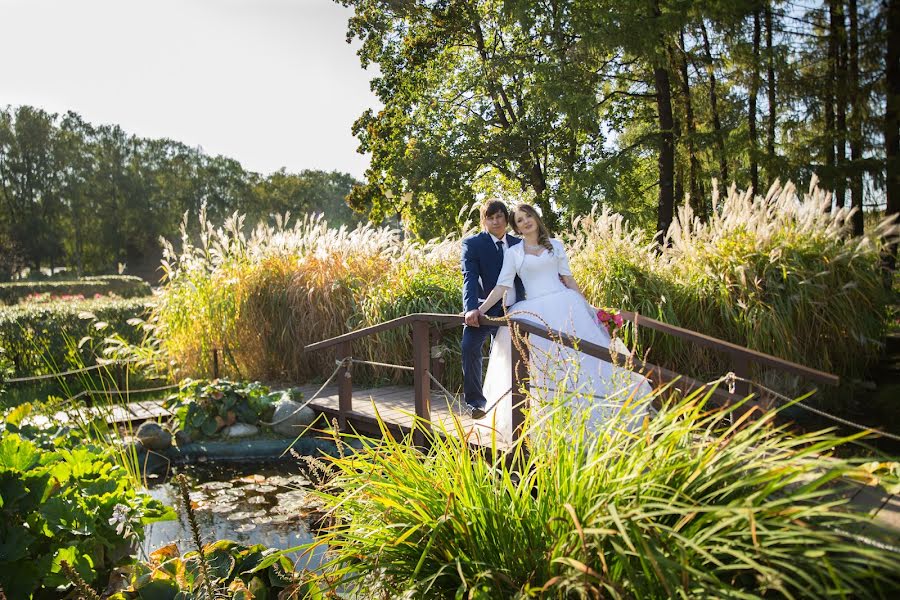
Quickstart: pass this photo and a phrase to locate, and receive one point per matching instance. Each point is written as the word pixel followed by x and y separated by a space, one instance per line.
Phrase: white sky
pixel 270 83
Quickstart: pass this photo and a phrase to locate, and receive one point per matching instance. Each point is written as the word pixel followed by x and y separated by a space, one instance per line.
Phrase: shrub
pixel 431 286
pixel 691 506
pixel 47 338
pixel 123 286
pixel 63 499
pixel 203 408
pixel 236 571
pixel 778 274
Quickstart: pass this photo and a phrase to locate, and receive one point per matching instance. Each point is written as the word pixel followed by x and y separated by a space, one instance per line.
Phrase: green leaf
pixel 15 416
pixel 17 454
pixel 158 589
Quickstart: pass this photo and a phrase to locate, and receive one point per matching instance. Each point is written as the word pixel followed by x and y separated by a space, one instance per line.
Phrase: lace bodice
pixel 539 273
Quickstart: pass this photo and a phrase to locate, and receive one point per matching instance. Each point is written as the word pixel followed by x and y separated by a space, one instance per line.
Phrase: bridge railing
pixel 426 326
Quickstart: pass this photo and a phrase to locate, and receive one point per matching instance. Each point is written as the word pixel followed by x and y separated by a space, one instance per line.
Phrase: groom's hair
pixel 492 207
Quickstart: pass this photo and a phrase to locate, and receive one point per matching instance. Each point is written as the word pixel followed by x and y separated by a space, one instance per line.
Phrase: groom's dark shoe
pixel 477 412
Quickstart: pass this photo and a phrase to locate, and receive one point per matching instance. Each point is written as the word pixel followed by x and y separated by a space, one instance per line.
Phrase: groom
pixel 482 258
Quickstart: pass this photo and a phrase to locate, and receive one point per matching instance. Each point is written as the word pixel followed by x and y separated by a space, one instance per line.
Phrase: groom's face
pixel 495 224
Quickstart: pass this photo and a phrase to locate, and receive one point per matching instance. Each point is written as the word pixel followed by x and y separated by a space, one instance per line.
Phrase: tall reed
pixel 691 506
pixel 779 274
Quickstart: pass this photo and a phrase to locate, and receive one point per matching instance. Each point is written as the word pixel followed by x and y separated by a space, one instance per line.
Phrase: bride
pixel 596 389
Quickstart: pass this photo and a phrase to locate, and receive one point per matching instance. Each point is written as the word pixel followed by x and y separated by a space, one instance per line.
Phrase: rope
pixel 731 377
pixel 66 373
pixel 381 364
pixel 340 364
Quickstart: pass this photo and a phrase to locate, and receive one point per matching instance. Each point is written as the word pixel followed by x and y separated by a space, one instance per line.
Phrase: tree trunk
pixel 840 128
pixel 751 106
pixel 892 116
pixel 666 198
pixel 770 84
pixel 713 104
pixel 691 130
pixel 855 131
pixel 830 83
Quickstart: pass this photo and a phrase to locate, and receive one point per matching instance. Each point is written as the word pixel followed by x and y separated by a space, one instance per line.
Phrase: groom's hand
pixel 471 318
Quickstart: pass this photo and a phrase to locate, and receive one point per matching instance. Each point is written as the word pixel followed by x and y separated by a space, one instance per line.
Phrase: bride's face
pixel 525 223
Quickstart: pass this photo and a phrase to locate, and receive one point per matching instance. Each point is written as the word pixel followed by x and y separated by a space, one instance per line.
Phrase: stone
pixel 154 436
pixel 182 438
pixel 240 430
pixel 290 419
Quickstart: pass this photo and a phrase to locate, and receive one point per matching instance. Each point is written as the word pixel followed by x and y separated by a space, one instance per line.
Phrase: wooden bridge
pixel 405 410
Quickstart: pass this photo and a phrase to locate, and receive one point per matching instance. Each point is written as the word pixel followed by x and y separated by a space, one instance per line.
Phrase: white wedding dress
pixel 591 389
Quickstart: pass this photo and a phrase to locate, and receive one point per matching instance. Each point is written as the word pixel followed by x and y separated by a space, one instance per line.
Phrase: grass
pixel 777 274
pixel 694 505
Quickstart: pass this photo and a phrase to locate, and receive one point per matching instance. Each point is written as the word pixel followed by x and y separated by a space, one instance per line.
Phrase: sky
pixel 270 83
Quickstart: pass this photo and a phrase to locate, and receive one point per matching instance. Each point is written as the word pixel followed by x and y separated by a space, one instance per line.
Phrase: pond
pixel 250 503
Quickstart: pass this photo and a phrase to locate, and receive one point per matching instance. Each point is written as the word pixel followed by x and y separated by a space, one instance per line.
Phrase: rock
pixel 289 421
pixel 240 430
pixel 182 438
pixel 153 436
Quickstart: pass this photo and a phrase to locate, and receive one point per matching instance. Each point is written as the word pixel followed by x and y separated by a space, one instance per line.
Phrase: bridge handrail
pixel 737 352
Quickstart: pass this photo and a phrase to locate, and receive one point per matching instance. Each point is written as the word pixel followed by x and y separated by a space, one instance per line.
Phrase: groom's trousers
pixel 472 344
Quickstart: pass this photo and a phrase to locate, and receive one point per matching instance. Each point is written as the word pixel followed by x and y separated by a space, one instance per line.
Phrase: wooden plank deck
pixel 395 405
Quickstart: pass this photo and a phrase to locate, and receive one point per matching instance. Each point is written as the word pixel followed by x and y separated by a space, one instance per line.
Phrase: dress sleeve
pixel 508 270
pixel 562 260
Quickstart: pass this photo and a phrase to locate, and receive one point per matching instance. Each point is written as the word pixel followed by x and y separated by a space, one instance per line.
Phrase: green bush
pixel 123 286
pixel 63 498
pixel 46 338
pixel 422 288
pixel 691 506
pixel 203 408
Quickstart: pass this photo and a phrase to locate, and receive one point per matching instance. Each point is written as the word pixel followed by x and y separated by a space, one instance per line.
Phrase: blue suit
pixel 481 263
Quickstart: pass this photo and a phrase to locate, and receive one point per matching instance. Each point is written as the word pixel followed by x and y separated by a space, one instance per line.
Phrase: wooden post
pixel 421 381
pixel 215 363
pixel 519 376
pixel 345 385
pixel 437 362
pixel 740 366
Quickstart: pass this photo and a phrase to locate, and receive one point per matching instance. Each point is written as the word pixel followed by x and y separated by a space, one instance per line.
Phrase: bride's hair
pixel 543 232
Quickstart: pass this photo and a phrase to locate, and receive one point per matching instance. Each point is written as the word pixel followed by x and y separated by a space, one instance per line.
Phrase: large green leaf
pixel 17 454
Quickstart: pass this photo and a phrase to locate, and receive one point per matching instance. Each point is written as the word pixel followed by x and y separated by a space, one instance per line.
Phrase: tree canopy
pixel 636 105
pixel 90 197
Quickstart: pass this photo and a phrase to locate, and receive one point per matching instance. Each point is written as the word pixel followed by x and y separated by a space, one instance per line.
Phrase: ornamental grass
pixel 694 505
pixel 778 274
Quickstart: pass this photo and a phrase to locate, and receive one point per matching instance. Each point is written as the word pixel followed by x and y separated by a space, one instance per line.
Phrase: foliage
pixel 203 408
pixel 431 284
pixel 63 498
pixel 246 572
pixel 691 505
pixel 580 102
pixel 124 286
pixel 53 337
pixel 778 274
pixel 92 197
pixel 261 299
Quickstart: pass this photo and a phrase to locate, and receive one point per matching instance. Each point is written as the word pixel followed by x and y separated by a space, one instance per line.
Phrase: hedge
pixel 124 286
pixel 45 338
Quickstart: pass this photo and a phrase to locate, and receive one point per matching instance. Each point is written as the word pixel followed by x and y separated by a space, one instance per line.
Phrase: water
pixel 267 504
